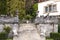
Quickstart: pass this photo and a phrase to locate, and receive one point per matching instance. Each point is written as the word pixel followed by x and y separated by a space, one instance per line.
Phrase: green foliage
pixel 49 39
pixel 7 29
pixel 35 8
pixel 10 6
pixel 28 17
pixel 59 28
pixel 26 9
pixel 3 7
pixel 3 36
pixel 55 36
pixel 29 11
pixel 32 11
pixel 8 39
pixel 21 8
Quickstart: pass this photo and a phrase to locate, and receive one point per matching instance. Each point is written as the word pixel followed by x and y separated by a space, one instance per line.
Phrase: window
pixel 50 8
pixel 46 9
pixel 54 8
pixel 42 0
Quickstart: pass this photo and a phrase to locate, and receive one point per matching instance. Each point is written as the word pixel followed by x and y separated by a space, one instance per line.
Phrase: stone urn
pixel 27 21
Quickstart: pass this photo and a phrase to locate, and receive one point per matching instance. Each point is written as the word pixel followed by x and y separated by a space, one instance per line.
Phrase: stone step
pixel 28 32
pixel 15 38
pixel 26 27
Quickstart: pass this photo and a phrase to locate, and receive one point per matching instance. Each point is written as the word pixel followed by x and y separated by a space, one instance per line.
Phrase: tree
pixel 3 7
pixel 32 11
pixel 31 8
pixel 35 8
pixel 25 8
pixel 21 8
pixel 12 6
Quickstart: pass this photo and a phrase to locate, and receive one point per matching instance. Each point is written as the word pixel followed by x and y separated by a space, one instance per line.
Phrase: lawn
pixel 49 39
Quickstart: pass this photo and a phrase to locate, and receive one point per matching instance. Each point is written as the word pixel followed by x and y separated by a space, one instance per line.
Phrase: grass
pixel 49 39
pixel 9 39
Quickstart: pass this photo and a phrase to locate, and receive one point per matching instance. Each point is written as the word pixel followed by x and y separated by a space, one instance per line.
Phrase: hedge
pixel 3 36
pixel 55 36
pixel 49 39
pixel 59 28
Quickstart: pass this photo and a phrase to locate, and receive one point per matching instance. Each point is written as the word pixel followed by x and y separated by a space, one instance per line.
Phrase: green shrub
pixel 7 29
pixel 28 17
pixel 5 33
pixel 3 36
pixel 55 36
pixel 59 28
pixel 49 39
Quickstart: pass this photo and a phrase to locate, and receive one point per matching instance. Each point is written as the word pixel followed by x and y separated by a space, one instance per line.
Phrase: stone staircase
pixel 28 32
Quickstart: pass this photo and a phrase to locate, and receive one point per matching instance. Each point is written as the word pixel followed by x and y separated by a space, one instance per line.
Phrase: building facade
pixel 51 7
pixel 46 20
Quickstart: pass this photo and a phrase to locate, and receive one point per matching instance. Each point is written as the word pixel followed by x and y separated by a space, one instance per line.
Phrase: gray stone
pixel 28 32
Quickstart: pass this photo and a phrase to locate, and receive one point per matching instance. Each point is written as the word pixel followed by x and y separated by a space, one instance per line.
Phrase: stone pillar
pixel 15 29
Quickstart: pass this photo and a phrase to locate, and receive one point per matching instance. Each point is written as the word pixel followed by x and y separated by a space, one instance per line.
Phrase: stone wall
pixel 1 27
pixel 46 29
pixel 40 27
pixel 13 27
pixel 28 32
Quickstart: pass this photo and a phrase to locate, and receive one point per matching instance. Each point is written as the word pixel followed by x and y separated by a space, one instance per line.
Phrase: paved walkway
pixel 28 32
